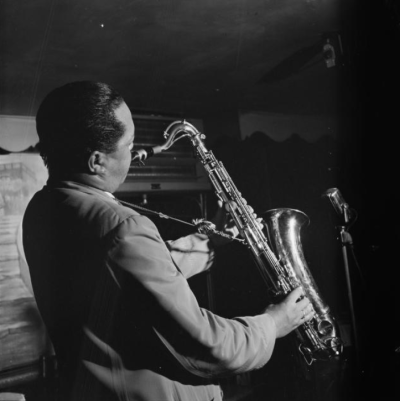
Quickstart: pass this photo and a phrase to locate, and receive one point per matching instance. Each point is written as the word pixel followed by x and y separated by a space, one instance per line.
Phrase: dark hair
pixel 76 119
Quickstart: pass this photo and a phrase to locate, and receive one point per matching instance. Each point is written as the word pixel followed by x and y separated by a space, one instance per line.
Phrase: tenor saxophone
pixel 283 269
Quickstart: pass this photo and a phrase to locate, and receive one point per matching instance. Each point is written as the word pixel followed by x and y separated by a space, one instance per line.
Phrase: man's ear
pixel 96 162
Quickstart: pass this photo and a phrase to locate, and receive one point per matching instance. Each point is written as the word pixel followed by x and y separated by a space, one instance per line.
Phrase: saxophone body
pixel 318 338
pixel 282 268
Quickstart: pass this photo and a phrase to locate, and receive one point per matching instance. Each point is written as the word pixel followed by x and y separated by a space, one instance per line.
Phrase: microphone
pixel 338 202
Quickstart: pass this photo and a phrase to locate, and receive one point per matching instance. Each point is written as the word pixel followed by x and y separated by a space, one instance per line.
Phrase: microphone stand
pixel 347 241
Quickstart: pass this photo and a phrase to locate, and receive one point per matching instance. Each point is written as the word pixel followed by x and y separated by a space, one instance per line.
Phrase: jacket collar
pixel 79 187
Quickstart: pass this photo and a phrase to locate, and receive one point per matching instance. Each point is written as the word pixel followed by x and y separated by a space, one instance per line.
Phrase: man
pixel 114 297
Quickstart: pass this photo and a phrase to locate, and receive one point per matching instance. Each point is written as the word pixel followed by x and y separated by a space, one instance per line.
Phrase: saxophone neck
pixel 181 129
pixel 174 132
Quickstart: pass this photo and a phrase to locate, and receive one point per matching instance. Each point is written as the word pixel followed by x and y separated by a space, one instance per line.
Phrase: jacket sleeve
pixel 204 343
pixel 192 254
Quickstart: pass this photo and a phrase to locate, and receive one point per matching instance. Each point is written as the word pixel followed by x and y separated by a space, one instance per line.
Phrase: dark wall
pixel 362 163
pixel 375 124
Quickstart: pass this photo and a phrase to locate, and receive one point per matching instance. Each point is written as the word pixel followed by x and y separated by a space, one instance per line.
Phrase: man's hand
pixel 224 223
pixel 291 312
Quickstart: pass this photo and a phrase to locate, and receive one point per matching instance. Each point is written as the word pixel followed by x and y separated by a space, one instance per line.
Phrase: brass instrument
pixel 318 338
pixel 283 270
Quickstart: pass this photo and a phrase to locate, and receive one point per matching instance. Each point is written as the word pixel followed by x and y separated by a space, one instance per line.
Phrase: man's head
pixel 80 126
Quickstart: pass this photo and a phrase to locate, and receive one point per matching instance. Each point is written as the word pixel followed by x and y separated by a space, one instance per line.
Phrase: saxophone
pixel 283 270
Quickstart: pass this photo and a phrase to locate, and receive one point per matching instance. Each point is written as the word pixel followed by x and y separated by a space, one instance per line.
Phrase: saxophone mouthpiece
pixel 140 155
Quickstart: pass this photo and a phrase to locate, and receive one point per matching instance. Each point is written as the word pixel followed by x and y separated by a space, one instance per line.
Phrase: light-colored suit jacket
pixel 114 296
